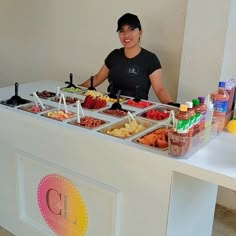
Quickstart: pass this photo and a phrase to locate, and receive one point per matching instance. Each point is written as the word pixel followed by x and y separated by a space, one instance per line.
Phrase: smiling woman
pixel 132 69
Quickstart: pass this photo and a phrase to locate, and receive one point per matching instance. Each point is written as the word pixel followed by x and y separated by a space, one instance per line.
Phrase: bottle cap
pixel 189 104
pixel 222 84
pixel 201 99
pixel 183 107
pixel 196 102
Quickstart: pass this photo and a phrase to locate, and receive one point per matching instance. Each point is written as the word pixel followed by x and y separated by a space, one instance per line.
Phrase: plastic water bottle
pixel 209 112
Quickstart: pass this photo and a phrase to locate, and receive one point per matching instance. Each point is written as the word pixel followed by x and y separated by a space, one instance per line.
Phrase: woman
pixel 131 69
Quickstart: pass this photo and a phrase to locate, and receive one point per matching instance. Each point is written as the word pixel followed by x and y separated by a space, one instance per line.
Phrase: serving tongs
pixel 136 98
pixel 116 105
pixel 15 100
pixel 70 83
pixel 91 84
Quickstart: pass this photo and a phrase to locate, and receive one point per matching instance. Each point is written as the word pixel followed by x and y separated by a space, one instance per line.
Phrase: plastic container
pixel 179 143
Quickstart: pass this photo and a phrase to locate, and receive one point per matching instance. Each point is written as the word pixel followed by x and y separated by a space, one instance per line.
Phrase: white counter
pixel 127 189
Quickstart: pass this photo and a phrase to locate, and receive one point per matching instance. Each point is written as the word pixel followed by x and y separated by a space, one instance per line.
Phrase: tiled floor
pixel 224 223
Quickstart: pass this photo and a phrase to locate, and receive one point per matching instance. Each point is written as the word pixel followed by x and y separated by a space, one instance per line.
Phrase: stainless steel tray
pixel 115 129
pixel 161 108
pixel 86 125
pixel 29 107
pixel 70 115
pixel 123 113
pixel 154 139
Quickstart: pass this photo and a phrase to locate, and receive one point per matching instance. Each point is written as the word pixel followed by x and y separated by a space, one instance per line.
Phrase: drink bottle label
pixel 182 126
pixel 220 106
pixel 198 117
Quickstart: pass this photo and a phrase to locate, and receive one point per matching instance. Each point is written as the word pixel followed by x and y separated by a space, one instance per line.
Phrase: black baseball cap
pixel 128 19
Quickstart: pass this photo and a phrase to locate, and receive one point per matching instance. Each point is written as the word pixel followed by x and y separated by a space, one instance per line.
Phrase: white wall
pixel 226 196
pixel 48 39
pixel 229 59
pixel 209 55
pixel 203 49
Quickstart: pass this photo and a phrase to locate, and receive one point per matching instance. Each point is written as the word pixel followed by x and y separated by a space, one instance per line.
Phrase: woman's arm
pixel 158 87
pixel 100 77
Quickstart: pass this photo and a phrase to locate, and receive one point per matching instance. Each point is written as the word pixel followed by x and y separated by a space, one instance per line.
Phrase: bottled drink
pixel 203 108
pixel 198 115
pixel 230 89
pixel 192 114
pixel 220 103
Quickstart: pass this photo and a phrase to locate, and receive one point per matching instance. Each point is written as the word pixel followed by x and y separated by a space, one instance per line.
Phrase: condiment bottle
pixel 230 89
pixel 198 115
pixel 192 114
pixel 203 108
pixel 182 119
pixel 179 138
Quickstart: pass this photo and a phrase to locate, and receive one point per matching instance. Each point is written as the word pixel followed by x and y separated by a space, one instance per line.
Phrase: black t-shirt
pixel 131 75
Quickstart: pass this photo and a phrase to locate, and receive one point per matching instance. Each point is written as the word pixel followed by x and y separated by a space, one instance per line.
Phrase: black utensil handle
pixel 16 89
pixel 71 78
pixel 91 82
pixel 118 95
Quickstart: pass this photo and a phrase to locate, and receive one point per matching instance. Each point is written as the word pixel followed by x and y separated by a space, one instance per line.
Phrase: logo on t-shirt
pixel 133 70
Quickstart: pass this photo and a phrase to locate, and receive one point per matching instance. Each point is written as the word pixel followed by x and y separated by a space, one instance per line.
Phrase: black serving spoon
pixel 136 98
pixel 91 84
pixel 116 105
pixel 70 83
pixel 15 100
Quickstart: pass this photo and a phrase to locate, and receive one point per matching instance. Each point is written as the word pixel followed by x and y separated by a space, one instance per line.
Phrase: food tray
pixel 126 133
pixel 78 90
pixel 45 94
pixel 158 113
pixel 141 105
pixel 121 100
pixel 69 100
pixel 156 138
pixel 88 122
pixel 30 108
pixel 116 113
pixel 66 116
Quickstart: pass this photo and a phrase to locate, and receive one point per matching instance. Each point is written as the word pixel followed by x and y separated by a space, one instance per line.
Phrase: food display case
pixel 51 170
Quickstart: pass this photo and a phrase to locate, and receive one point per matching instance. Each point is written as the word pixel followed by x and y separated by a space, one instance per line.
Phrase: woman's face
pixel 129 36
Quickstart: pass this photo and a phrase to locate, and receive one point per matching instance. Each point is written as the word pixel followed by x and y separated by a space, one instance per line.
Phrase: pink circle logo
pixel 62 206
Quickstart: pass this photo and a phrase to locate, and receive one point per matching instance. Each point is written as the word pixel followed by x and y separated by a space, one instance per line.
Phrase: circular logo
pixel 62 206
